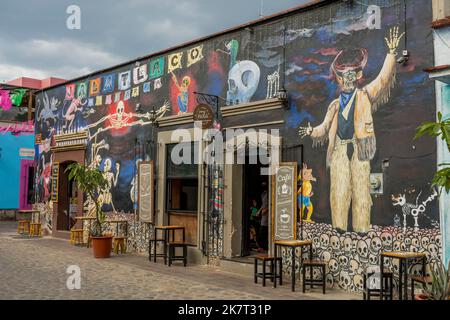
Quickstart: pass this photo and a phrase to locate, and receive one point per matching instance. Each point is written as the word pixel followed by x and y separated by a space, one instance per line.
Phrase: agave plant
pixel 441 129
pixel 90 181
pixel 439 289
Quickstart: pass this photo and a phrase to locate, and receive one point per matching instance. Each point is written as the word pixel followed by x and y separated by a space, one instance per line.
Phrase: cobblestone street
pixel 36 269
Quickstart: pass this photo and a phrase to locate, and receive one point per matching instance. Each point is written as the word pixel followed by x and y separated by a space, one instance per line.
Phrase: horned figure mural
pixel 348 127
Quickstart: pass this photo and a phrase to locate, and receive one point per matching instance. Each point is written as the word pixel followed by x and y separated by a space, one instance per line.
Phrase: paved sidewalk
pixel 36 269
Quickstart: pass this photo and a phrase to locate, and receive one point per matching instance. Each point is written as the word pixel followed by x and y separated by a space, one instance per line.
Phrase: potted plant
pixel 439 289
pixel 91 181
pixel 441 129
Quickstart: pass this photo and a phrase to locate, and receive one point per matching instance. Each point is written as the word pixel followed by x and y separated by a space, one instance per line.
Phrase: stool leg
pixel 171 249
pixel 412 289
pixel 273 264
pixel 124 246
pixel 256 271
pixel 304 278
pixel 280 262
pixel 185 255
pixel 272 270
pixel 323 279
pixel 264 273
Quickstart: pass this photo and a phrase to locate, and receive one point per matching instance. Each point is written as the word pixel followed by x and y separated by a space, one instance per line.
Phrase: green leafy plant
pixel 439 289
pixel 90 181
pixel 441 129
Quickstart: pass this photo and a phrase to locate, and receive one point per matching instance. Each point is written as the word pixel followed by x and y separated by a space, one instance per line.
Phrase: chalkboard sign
pixel 284 202
pixel 55 179
pixel 145 193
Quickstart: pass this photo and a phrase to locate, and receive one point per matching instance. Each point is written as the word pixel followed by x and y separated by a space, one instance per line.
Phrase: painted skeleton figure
pixel 122 119
pixel 111 178
pixel 348 127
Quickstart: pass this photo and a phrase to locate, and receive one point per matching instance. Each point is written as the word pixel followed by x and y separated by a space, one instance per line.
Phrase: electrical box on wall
pixel 376 183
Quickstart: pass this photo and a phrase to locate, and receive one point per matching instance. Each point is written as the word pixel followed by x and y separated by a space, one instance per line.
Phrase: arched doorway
pixel 67 199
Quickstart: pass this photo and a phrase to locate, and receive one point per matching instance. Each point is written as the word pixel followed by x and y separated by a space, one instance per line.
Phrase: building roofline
pixel 304 7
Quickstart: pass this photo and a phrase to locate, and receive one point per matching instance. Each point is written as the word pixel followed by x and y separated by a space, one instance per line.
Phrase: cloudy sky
pixel 35 41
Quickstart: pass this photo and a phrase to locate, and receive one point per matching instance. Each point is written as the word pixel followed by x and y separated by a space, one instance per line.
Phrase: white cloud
pixel 58 58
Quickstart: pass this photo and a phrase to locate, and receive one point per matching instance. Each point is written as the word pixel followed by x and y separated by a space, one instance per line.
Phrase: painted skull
pixel 348 245
pixel 326 256
pixel 324 241
pixel 330 281
pixel 373 259
pixel 362 249
pixel 375 245
pixel 343 262
pixel 353 266
pixel 358 280
pixel 120 110
pixel 333 265
pixel 386 239
pixel 344 280
pixel 335 243
pixel 425 241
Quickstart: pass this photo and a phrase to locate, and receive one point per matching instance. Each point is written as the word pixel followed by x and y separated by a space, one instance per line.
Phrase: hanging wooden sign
pixel 55 181
pixel 146 191
pixel 284 202
pixel 204 115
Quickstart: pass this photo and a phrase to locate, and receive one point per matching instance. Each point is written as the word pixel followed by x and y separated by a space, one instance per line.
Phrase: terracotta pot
pixel 102 246
pixel 420 297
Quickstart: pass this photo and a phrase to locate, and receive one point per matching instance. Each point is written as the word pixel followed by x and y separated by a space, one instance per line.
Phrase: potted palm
pixel 439 289
pixel 91 181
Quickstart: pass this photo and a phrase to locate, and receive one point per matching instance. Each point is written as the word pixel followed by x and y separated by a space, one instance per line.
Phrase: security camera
pixel 404 58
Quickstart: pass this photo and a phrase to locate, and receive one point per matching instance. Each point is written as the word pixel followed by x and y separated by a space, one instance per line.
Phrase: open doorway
pixel 255 211
pixel 67 199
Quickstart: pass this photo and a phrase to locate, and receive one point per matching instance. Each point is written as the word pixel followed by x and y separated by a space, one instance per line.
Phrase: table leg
pixel 381 277
pixel 406 279
pixel 293 269
pixel 184 235
pixel 400 279
pixel 154 245
pixel 166 238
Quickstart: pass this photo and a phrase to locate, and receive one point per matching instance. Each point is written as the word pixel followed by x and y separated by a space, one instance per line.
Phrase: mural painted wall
pixel 10 157
pixel 351 104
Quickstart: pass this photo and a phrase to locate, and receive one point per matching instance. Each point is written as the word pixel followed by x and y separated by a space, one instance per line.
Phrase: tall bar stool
pixel 310 281
pixel 371 283
pixel 274 273
pixel 23 226
pixel 76 236
pixel 173 245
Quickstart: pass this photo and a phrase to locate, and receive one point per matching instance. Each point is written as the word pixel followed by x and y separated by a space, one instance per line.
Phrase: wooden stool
pixel 311 264
pixel 119 242
pixel 35 229
pixel 177 244
pixel 268 275
pixel 154 254
pixel 375 292
pixel 76 236
pixel 23 226
pixel 420 279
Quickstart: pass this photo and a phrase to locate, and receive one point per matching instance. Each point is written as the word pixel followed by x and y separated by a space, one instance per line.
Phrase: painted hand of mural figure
pixel 305 131
pixel 394 40
pixel 348 128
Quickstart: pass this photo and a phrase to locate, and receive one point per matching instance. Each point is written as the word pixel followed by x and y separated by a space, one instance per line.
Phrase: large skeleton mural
pixel 338 64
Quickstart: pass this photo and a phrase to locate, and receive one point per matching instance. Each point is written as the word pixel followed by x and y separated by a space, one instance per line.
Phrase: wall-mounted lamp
pixel 404 58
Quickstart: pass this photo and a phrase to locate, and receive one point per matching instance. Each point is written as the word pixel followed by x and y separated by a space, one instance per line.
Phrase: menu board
pixel 145 193
pixel 284 202
pixel 55 177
